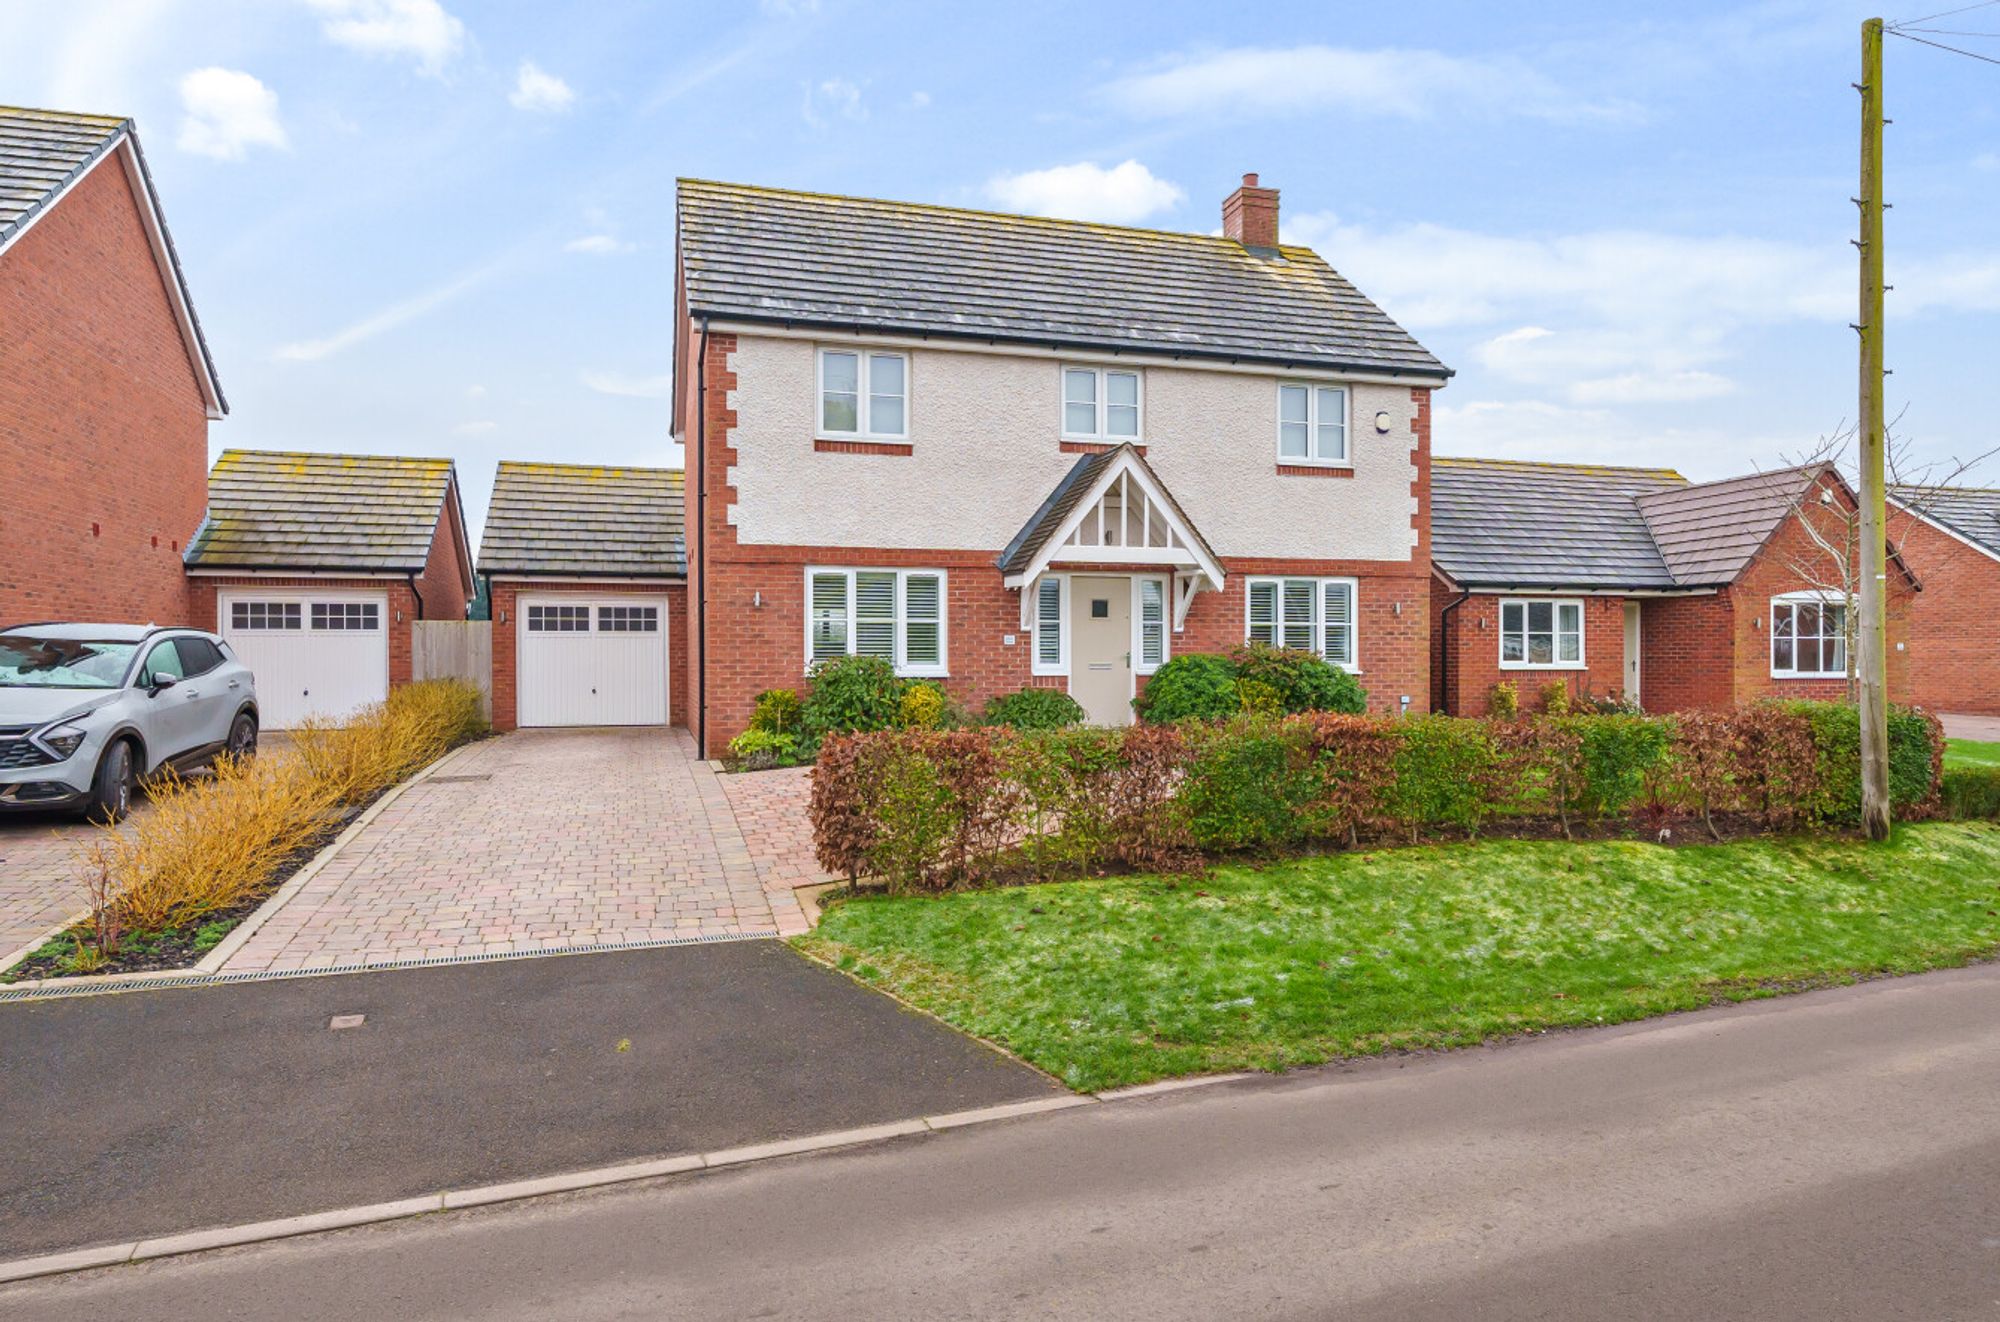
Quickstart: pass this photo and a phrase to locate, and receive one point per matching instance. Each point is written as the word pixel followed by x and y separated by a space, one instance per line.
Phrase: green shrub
pixel 1256 698
pixel 850 694
pixel 778 711
pixel 1617 753
pixel 922 707
pixel 1505 700
pixel 1034 709
pixel 1555 697
pixel 1304 680
pixel 1970 793
pixel 1836 738
pixel 1441 765
pixel 1195 687
pixel 1247 785
pixel 761 750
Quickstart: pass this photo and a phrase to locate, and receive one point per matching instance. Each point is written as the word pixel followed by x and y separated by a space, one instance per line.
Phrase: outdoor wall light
pixel 756 601
pixel 1397 608
pixel 1383 421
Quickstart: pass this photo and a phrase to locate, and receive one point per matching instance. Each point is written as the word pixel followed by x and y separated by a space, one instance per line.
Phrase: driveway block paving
pixel 173 1110
pixel 548 840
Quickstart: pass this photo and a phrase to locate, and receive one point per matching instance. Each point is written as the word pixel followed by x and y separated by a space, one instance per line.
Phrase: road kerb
pixel 839 1138
pixel 1169 1085
pixel 257 1232
pixel 75 1260
pixel 571 1181
pixel 1006 1111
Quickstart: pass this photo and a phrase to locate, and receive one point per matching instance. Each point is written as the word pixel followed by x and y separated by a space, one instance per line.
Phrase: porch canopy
pixel 1111 509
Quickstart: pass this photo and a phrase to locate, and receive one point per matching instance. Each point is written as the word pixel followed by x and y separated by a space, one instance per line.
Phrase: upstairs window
pixel 1309 614
pixel 1541 634
pixel 896 614
pixel 1808 638
pixel 1100 404
pixel 864 394
pixel 1312 424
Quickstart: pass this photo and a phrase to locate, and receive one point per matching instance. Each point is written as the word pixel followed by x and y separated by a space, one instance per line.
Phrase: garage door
pixel 591 660
pixel 314 654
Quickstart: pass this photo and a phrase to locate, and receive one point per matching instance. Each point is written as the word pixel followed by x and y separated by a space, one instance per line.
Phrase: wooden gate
pixel 454 649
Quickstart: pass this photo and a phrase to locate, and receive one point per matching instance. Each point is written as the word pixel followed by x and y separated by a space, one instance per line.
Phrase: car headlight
pixel 62 740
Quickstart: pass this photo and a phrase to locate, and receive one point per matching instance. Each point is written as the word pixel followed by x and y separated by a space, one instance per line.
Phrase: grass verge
pixel 1971 753
pixel 1126 980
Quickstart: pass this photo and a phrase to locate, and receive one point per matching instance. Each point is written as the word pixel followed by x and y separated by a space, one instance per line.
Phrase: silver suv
pixel 88 710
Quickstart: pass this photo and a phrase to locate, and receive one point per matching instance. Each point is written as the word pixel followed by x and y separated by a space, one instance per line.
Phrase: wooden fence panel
pixel 454 649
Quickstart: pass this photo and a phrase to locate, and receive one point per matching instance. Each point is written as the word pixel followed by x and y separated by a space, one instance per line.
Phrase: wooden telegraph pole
pixel 1872 635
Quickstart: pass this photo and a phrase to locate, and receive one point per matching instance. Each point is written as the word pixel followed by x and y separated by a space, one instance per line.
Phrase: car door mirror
pixel 159 684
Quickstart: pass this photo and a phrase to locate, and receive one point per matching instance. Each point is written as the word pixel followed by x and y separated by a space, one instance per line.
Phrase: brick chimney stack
pixel 1250 215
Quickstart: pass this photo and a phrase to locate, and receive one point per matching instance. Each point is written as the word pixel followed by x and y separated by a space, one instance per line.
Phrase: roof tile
pixel 583 520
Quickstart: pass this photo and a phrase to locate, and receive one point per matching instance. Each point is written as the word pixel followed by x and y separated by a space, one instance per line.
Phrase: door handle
pixel 192 693
pixel 236 683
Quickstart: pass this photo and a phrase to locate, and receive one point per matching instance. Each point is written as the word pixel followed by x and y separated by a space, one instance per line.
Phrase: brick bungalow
pixel 1951 537
pixel 106 384
pixel 586 570
pixel 1635 583
pixel 316 568
pixel 1003 451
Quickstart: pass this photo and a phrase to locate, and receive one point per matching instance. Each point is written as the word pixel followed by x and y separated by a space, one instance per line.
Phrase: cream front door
pixel 1100 656
pixel 1632 651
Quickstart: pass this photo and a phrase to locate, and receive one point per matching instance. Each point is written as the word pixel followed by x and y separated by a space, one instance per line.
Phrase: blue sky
pixel 445 227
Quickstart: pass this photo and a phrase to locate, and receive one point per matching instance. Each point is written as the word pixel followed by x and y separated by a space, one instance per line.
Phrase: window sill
pixel 1808 674
pixel 1308 468
pixel 1570 666
pixel 1096 445
pixel 860 445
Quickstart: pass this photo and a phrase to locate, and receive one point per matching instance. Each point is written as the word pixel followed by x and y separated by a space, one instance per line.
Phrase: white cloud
pixel 421 28
pixel 1084 191
pixel 919 99
pixel 389 318
pixel 836 96
pixel 537 90
pixel 479 427
pixel 1409 84
pixel 226 112
pixel 632 387
pixel 788 8
pixel 475 392
pixel 599 245
pixel 1986 160
pixel 1540 430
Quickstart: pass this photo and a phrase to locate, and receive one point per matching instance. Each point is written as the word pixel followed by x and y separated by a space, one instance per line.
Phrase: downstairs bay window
pixel 1808 637
pixel 1310 614
pixel 896 614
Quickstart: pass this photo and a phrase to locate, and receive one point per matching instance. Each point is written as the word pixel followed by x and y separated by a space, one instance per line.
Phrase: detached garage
pixel 587 572
pixel 316 568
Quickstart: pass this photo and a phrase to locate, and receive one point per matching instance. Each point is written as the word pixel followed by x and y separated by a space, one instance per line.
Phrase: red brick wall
pixel 402 606
pixel 103 435
pixel 1686 653
pixel 442 584
pixel 1469 650
pixel 1953 662
pixel 506 690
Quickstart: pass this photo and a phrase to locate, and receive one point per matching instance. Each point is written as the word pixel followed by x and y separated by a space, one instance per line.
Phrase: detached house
pixel 1950 536
pixel 1635 583
pixel 106 384
pixel 1002 451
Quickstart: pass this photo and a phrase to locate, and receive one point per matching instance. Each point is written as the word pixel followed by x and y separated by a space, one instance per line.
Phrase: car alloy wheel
pixel 243 736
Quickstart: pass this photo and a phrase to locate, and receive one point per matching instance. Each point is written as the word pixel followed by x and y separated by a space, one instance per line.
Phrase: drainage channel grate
pixel 58 990
pixel 457 780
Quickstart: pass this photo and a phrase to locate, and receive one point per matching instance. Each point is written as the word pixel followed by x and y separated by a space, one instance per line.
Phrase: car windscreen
pixel 62 663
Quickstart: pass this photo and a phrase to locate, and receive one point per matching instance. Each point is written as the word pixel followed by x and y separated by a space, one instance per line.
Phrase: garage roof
pixel 585 521
pixel 282 509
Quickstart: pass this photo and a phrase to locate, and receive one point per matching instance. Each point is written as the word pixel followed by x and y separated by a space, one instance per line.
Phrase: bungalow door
pixel 1632 650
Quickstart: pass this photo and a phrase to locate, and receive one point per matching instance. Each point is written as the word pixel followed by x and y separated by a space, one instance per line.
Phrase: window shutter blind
pixel 922 608
pixel 1264 612
pixel 1152 622
pixel 1298 608
pixel 829 616
pixel 875 615
pixel 1337 614
pixel 1048 622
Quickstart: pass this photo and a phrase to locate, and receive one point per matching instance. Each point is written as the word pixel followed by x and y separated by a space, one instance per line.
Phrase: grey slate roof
pixel 270 509
pixel 1508 523
pixel 43 151
pixel 1971 512
pixel 1708 532
pixel 1076 484
pixel 585 521
pixel 814 259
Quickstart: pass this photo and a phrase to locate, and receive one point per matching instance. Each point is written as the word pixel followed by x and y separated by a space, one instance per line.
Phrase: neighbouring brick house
pixel 1950 537
pixel 106 385
pixel 586 570
pixel 1004 451
pixel 1635 583
pixel 317 567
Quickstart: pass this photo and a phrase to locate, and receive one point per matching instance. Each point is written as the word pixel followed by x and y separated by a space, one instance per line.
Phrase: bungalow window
pixel 1539 633
pixel 864 394
pixel 1808 638
pixel 1312 424
pixel 1100 404
pixel 896 614
pixel 1312 614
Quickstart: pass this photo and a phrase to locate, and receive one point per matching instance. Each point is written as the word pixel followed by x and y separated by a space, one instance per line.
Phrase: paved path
pixel 178 1110
pixel 1830 1156
pixel 39 884
pixel 1983 728
pixel 540 840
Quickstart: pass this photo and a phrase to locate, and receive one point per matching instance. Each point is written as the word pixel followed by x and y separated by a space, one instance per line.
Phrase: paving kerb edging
pixel 260 1232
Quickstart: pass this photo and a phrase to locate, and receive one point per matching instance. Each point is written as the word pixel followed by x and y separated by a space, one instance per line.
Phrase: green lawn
pixel 1970 753
pixel 1120 981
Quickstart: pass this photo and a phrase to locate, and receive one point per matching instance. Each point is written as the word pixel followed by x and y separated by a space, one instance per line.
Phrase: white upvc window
pixel 1808 637
pixel 1541 633
pixel 1312 424
pixel 864 394
pixel 1309 614
pixel 1100 404
pixel 896 614
pixel 1149 625
pixel 1051 632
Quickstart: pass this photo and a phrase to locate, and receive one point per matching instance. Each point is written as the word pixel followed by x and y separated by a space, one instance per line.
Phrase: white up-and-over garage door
pixel 591 660
pixel 315 654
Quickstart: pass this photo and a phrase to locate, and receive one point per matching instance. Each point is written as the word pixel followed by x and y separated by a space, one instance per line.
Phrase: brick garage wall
pixel 442 584
pixel 207 592
pixel 1953 658
pixel 1469 648
pixel 1686 653
pixel 506 655
pixel 103 435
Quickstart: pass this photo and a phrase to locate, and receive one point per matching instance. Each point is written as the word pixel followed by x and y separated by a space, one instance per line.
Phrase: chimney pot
pixel 1250 215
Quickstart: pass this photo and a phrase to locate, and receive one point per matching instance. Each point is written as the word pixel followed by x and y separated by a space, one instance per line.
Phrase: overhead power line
pixel 1970 55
